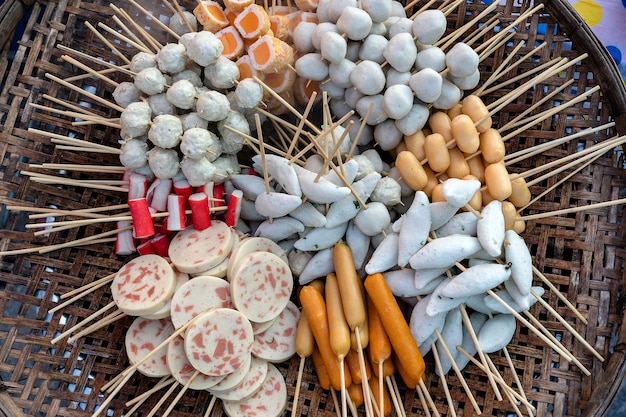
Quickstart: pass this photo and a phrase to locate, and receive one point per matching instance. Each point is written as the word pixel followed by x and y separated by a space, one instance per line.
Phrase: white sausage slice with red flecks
pixel 251 382
pixel 193 251
pixel 262 326
pixel 164 312
pixel 218 341
pixel 143 285
pixel 197 295
pixel 278 343
pixel 142 337
pixel 261 286
pixel 250 245
pixel 234 378
pixel 269 401
pixel 182 370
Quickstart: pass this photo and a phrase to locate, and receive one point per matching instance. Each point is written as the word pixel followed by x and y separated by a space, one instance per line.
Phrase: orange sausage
pixel 389 367
pixel 458 165
pixel 339 330
pixel 439 122
pixel 395 325
pixel 520 194
pixel 380 345
pixel 432 181
pixel 320 369
pixel 492 146
pixel 352 359
pixel 314 307
pixel 437 152
pixel 411 170
pixel 476 201
pixel 365 338
pixel 510 213
pixel 415 144
pixel 304 338
pixel 465 133
pixel 436 195
pixel 386 399
pixel 355 392
pixel 477 168
pixel 474 107
pixel 498 181
pixel 408 379
pixel 350 286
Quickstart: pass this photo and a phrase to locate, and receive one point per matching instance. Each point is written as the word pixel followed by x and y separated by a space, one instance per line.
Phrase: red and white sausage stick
pixel 182 187
pixel 146 248
pixel 137 186
pixel 158 192
pixel 160 243
pixel 176 210
pixel 218 195
pixel 142 219
pixel 234 208
pixel 200 214
pixel 124 242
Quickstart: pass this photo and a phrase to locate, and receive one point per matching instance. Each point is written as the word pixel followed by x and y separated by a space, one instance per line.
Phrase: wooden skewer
pixel 333 394
pixel 429 399
pixel 76 183
pixel 164 382
pixel 448 8
pixel 83 322
pixel 103 322
pixel 80 167
pixel 294 410
pixel 520 388
pixel 83 241
pixel 422 398
pixel 146 35
pixel 105 71
pixel 207 413
pixel 123 69
pixel 481 354
pixel 558 293
pixel 298 131
pixel 442 377
pixel 162 400
pixel 181 393
pixel 39 249
pixel 71 106
pixel 447 41
pixel 458 373
pixel 105 404
pixel 56 138
pixel 122 37
pixel 154 19
pixel 85 116
pixel 85 93
pixel 85 287
pixel 412 3
pixel 90 70
pixel 507 392
pixel 180 10
pixel 395 396
pixel 473 37
pixel 367 398
pixel 100 283
pixel 107 42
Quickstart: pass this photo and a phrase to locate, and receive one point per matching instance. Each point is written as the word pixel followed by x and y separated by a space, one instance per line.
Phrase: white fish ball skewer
pixel 414 121
pixel 429 26
pixel 427 85
pixel 401 52
pixel 368 77
pixel 355 23
pixel 333 47
pixel 462 60
pixel 398 101
pixel 312 66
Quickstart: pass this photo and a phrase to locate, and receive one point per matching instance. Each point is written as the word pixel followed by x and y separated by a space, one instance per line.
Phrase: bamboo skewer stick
pixel 105 71
pixel 84 92
pixel 180 394
pixel 156 46
pixel 520 388
pixel 105 404
pixel 395 396
pixel 573 209
pixel 154 19
pixel 164 382
pixel 83 289
pixel 49 179
pixel 103 322
pixel 123 69
pixel 56 138
pixel 89 290
pixel 83 322
pixel 444 382
pixel 84 116
pixel 85 240
pixel 162 400
pixel 422 398
pixel 447 41
pixel 122 37
pixel 80 167
pixel 89 70
pixel 507 392
pixel 71 106
pixel 107 42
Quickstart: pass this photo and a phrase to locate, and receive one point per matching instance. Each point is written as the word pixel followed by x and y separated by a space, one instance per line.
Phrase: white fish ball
pixel 375 158
pixel 198 171
pixel 204 48
pixel 368 77
pixel 462 60
pixel 221 74
pixel 336 7
pixel 373 48
pixel 186 38
pixel 150 81
pixel 190 75
pixel 165 131
pixel 232 142
pixel 365 166
pixel 182 94
pixel 134 153
pixel 163 162
pixel 400 25
pixel 379 10
pixel 212 106
pixel 414 121
pixel 450 96
pixel 320 29
pixel 159 104
pixel 339 108
pixel 432 57
pixel 401 52
pixel 332 90
pixel 374 219
pixel 141 61
pixel 302 36
pixel 248 93
pixel 466 83
pixel 396 77
pixel 225 166
pixel 378 28
pixel 355 23
pixel 429 26
pixel 178 22
pixel 426 84
pixel 333 47
pixel 352 53
pixel 398 100
pixel 171 58
pixel 191 120
pixel 340 72
pixel 387 191
pixel 397 9
pixel 125 93
pixel 387 135
pixel 322 11
pixel 377 113
pixel 135 120
pixel 352 96
pixel 312 67
pixel 197 143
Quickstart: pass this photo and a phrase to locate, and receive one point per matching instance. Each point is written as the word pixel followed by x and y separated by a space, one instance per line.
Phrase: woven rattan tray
pixel 582 253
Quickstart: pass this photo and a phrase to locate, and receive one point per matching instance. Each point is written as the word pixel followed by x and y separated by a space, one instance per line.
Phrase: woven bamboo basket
pixel 582 253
